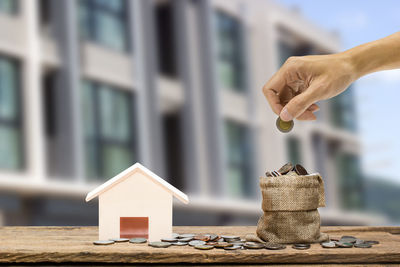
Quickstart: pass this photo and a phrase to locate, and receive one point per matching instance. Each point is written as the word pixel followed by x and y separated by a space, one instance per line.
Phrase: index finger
pixel 271 91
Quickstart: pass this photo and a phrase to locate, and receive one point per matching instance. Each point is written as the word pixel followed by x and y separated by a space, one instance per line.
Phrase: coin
pixel 300 170
pixel 359 241
pixel 213 237
pixel 171 240
pixel 159 244
pixel 204 247
pixel 268 174
pixel 138 240
pixel 341 244
pixel 179 243
pixel 175 235
pixel 329 244
pixel 230 237
pixel 348 239
pixel 186 235
pixel 103 242
pixel 120 240
pixel 275 174
pixel 372 242
pixel 211 243
pixel 234 247
pixel 363 245
pixel 223 245
pixel 286 168
pixel 196 242
pixel 253 245
pixel 185 239
pixel 202 237
pixel 284 126
pixel 301 246
pixel 274 246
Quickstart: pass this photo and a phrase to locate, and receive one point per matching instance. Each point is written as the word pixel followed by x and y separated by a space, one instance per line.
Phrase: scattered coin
pixel 275 174
pixel 230 237
pixel 120 240
pixel 286 168
pixel 223 244
pixel 341 244
pixel 202 237
pixel 185 239
pixel 204 247
pixel 362 245
pixel 234 247
pixel 175 235
pixel 253 245
pixel 179 243
pixel 138 240
pixel 213 237
pixel 160 244
pixel 170 240
pixel 300 170
pixel 359 241
pixel 274 246
pixel 301 246
pixel 372 242
pixel 103 242
pixel 196 243
pixel 348 239
pixel 186 235
pixel 329 244
pixel 284 126
pixel 211 243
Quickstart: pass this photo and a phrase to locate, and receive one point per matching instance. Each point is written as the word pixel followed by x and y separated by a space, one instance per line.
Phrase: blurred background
pixel 89 87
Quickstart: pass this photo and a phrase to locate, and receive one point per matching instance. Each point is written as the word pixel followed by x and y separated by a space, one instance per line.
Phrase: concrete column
pixel 142 32
pixel 70 139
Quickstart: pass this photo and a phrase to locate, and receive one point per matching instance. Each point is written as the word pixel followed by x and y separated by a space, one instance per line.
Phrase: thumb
pixel 297 106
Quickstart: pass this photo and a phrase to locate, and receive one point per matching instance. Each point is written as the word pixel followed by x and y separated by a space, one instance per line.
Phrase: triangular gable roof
pixel 127 173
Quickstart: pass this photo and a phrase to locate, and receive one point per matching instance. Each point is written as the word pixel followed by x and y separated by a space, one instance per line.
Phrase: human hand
pixel 302 81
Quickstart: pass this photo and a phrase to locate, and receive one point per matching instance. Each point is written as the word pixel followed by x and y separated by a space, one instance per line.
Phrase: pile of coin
pixel 288 168
pixel 348 241
pixel 211 241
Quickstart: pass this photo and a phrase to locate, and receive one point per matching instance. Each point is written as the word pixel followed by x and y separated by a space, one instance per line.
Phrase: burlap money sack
pixel 290 205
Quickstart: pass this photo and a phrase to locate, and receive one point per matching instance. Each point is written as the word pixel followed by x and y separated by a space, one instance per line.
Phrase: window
pixel 104 22
pixel 166 39
pixel 342 110
pixel 11 157
pixel 108 125
pixel 287 50
pixel 230 64
pixel 350 180
pixel 294 150
pixel 238 159
pixel 9 6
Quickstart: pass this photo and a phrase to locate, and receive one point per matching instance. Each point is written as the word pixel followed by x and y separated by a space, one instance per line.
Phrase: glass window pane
pixel 88 109
pixel 294 150
pixel 8 90
pixel 10 150
pixel 84 19
pixel 115 159
pixel 8 6
pixel 113 5
pixel 110 30
pixel 91 159
pixel 115 114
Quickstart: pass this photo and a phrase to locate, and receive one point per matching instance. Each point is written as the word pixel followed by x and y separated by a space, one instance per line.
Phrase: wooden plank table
pixel 63 245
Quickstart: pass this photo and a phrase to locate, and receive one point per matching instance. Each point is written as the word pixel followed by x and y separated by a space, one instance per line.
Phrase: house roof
pixel 127 173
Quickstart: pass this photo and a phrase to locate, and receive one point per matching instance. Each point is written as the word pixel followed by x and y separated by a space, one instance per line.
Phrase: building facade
pixel 88 87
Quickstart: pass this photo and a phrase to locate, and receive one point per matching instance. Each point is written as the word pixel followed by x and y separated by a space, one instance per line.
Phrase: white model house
pixel 136 203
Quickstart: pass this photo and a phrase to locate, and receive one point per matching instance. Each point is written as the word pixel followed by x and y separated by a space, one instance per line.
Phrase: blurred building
pixel 88 87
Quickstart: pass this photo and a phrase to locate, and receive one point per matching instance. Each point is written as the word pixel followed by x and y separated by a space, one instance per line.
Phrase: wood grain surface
pixel 74 245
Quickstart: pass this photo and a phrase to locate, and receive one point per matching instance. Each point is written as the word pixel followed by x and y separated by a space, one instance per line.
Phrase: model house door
pixel 134 227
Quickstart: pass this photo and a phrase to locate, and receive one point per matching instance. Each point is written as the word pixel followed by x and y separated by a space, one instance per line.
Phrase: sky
pixel 378 94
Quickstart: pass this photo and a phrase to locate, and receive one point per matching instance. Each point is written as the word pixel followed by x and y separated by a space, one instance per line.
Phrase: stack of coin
pixel 288 168
pixel 349 242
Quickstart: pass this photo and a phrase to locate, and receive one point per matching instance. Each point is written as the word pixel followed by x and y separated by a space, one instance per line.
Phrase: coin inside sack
pixel 204 247
pixel 138 240
pixel 159 244
pixel 286 168
pixel 103 242
pixel 284 126
pixel 300 170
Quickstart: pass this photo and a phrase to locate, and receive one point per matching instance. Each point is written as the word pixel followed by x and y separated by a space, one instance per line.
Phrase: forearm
pixel 382 54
